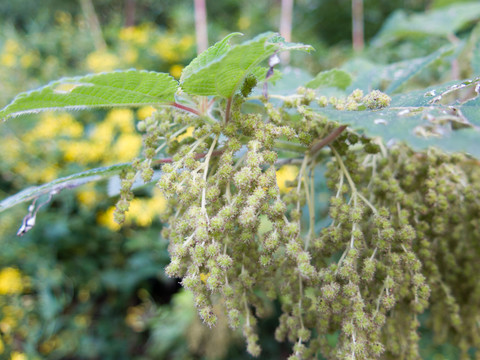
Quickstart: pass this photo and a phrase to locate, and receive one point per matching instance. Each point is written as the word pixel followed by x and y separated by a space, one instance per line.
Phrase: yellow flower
pixel 48 173
pixel 243 23
pixel 2 346
pixel 28 59
pixel 87 197
pixel 134 317
pixel 145 112
pixel 105 218
pixel 8 60
pixel 11 281
pixel 127 147
pixel 102 60
pixel 141 212
pixel 11 46
pixel 165 48
pixel 135 34
pixel 284 174
pixel 186 42
pixel 122 119
pixel 130 55
pixel 82 320
pixel 186 134
pixel 51 125
pixel 63 18
pixel 18 356
pixel 176 70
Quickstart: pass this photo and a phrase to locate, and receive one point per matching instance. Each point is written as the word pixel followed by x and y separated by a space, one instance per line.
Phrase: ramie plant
pixel 404 231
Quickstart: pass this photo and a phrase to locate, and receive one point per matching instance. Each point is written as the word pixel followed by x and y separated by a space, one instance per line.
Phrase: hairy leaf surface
pixel 223 75
pixel 118 88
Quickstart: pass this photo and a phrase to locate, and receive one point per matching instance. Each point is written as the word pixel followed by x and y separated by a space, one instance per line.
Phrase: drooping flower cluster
pixel 401 226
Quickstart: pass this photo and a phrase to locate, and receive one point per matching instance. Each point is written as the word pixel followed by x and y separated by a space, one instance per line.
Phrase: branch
pixel 186 108
pixel 328 139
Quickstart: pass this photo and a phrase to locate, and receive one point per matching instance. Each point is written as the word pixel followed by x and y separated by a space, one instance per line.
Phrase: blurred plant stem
pixel 286 26
pixel 129 13
pixel 357 25
pixel 201 25
pixel 93 24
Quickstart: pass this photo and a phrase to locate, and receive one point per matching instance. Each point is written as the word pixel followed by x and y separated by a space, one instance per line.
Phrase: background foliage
pixel 80 287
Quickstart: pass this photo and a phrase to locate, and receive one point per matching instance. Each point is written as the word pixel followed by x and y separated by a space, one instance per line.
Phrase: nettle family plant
pixel 400 234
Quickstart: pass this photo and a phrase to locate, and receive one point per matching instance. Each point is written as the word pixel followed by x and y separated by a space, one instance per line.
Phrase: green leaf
pixel 439 22
pixel 397 74
pixel 331 78
pixel 119 88
pixel 422 119
pixel 205 58
pixel 62 183
pixel 224 75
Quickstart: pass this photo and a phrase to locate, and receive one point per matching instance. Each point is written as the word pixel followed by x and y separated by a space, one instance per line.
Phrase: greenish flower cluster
pixel 402 224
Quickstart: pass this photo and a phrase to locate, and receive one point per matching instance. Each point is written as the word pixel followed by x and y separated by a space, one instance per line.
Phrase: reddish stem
pixel 227 109
pixel 186 108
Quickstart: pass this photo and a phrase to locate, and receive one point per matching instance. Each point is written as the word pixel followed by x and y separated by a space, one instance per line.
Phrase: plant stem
pixel 286 26
pixel 328 139
pixel 357 25
pixel 228 109
pixel 93 24
pixel 201 25
pixel 130 13
pixel 186 108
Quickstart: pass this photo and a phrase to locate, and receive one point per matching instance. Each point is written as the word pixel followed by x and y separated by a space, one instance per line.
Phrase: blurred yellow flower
pixel 47 173
pixel 141 212
pixel 63 18
pixel 102 60
pixel 82 320
pixel 145 112
pixel 284 174
pixel 18 356
pixel 105 218
pixel 122 119
pixel 83 152
pixel 87 197
pixel 11 281
pixel 28 59
pixel 176 70
pixel 8 60
pixel 166 49
pixel 186 134
pixel 134 317
pixel 130 55
pixel 243 23
pixel 186 42
pixel 135 34
pixel 2 346
pixel 127 147
pixel 11 46
pixel 54 124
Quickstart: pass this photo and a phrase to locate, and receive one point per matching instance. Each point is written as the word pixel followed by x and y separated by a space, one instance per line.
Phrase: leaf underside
pixel 421 119
pixel 68 182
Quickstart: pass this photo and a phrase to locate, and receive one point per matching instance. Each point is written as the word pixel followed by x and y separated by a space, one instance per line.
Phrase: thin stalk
pixel 357 25
pixel 228 109
pixel 286 16
pixel 93 24
pixel 186 108
pixel 201 25
pixel 205 172
pixel 130 13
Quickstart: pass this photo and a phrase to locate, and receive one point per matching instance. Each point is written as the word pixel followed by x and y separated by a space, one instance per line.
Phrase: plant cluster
pixel 403 231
